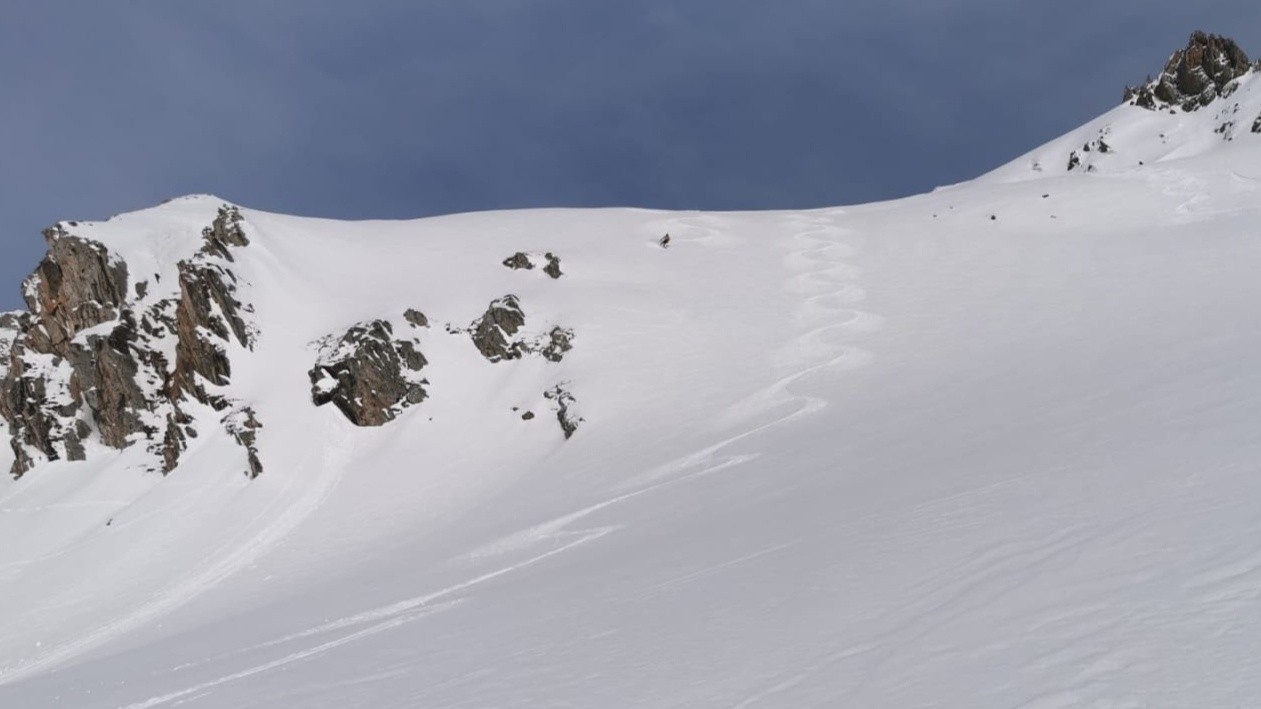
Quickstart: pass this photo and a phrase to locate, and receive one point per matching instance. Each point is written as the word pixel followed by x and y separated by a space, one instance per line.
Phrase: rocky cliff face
pixel 1206 69
pixel 103 357
pixel 91 357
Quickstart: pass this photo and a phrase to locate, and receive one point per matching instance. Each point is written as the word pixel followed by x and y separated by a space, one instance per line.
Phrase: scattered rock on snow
pixel 565 413
pixel 524 261
pixel 519 260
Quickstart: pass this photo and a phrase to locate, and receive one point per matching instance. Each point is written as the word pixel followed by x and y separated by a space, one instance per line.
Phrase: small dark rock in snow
pixel 553 265
pixel 415 317
pixel 519 260
pixel 527 416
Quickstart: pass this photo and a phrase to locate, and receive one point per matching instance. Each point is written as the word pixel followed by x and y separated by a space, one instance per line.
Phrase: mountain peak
pixel 1194 76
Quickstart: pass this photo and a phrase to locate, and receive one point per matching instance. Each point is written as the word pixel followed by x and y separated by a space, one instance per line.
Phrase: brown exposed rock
pixel 370 376
pixel 105 379
pixel 1195 76
pixel 78 284
pixel 206 291
pixel 415 317
pixel 60 384
pixel 492 332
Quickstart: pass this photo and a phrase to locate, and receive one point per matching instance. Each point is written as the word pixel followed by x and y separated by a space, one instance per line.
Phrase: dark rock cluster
pixel 1205 70
pixel 1095 145
pixel 564 402
pixel 368 374
pixel 523 261
pixel 492 332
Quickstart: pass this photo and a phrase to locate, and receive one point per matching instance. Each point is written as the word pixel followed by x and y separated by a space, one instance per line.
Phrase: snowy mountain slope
pixel 992 446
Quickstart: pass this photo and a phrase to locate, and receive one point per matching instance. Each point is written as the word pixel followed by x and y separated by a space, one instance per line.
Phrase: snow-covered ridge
pixel 113 352
pixel 1207 97
pixel 994 446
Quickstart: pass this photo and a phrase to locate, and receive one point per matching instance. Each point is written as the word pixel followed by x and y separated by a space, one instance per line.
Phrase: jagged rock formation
pixel 522 260
pixel 243 426
pixel 368 374
pixel 564 402
pixel 1194 76
pixel 78 284
pixel 492 332
pixel 87 361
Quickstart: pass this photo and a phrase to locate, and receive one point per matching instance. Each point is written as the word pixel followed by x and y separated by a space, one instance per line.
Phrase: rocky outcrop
pixel 524 261
pixel 223 232
pixel 78 284
pixel 1195 76
pixel 556 344
pixel 518 261
pixel 87 361
pixel 415 318
pixel 243 426
pixel 1256 125
pixel 492 332
pixel 552 268
pixel 564 404
pixel 368 374
pixel 207 317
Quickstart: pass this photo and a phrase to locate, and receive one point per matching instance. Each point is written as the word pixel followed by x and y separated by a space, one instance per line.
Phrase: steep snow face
pixel 992 446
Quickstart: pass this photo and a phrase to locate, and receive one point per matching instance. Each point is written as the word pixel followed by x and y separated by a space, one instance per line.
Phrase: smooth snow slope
pixel 998 446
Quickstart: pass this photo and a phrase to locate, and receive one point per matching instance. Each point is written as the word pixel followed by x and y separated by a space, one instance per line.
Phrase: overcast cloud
pixel 406 109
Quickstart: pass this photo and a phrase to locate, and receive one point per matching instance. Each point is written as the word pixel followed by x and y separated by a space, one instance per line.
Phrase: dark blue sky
pixel 405 109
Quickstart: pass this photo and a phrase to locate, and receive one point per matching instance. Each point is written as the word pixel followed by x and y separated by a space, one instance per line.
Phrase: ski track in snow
pixel 277 520
pixel 817 259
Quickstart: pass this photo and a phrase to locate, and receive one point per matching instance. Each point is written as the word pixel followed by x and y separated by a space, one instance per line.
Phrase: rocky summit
pixel 1205 70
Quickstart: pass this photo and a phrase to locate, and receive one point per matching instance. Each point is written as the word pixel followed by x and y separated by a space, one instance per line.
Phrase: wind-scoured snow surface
pixel 995 446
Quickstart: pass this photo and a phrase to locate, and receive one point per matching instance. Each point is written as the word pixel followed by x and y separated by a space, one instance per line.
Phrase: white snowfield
pixel 994 446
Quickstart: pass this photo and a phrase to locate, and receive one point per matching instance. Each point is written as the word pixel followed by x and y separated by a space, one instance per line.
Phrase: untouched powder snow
pixel 998 445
